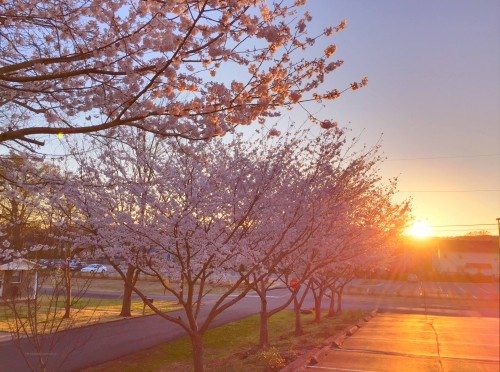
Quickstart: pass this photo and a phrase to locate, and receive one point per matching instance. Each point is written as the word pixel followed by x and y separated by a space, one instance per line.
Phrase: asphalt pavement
pixel 446 290
pixel 92 345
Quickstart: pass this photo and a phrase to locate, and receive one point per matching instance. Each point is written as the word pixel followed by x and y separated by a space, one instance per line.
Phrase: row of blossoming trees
pixel 247 213
pixel 243 215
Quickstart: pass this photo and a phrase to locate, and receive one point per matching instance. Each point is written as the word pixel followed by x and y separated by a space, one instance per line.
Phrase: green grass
pixel 85 311
pixel 147 287
pixel 233 347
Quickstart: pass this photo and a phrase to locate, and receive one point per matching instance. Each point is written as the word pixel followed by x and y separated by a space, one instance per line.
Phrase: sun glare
pixel 420 229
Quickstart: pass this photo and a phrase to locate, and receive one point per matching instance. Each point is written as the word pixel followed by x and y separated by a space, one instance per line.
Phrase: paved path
pixel 4 336
pixel 409 342
pixel 103 342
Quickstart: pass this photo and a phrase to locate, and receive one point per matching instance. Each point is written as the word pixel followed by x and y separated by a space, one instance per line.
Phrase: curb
pixel 339 340
pixel 314 356
pixel 318 355
pixel 352 330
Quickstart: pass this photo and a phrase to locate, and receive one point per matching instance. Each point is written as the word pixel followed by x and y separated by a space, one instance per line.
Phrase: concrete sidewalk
pixel 408 342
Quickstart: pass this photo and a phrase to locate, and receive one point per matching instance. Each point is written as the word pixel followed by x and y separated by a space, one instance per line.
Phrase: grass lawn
pixel 233 347
pixel 115 285
pixel 112 285
pixel 149 287
pixel 86 311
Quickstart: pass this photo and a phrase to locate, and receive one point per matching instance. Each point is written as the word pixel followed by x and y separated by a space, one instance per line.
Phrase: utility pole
pixel 498 222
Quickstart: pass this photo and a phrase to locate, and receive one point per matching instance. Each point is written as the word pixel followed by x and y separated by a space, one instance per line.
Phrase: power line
pixel 463 230
pixel 470 224
pixel 451 191
pixel 445 157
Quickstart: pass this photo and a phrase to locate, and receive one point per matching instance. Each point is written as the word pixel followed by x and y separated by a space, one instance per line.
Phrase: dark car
pixel 55 264
pixel 58 264
pixel 76 265
pixel 44 263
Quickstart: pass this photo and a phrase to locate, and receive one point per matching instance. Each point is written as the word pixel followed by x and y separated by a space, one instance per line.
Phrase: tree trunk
pixel 298 319
pixel 67 287
pixel 16 241
pixel 197 343
pixel 331 308
pixel 130 280
pixel 317 306
pixel 339 300
pixel 264 320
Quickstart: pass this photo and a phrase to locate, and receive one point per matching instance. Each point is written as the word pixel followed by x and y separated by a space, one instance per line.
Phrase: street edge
pixel 314 356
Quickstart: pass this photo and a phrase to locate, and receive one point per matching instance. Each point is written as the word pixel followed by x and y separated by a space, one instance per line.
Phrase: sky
pixel 433 99
pixel 434 93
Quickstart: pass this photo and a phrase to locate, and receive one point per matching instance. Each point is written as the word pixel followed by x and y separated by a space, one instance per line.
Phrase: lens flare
pixel 420 229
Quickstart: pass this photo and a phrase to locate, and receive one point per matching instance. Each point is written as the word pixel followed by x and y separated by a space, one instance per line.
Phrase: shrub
pixel 272 359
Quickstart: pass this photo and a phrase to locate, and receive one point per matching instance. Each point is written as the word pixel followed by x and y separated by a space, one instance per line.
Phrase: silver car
pixel 94 268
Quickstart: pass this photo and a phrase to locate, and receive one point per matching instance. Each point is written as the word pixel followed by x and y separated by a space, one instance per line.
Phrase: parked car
pixel 76 265
pixel 55 264
pixel 94 268
pixel 44 263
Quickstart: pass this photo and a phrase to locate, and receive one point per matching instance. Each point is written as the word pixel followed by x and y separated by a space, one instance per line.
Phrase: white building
pixel 467 256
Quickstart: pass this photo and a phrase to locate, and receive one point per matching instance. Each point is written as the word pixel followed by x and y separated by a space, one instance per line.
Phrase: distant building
pixel 18 279
pixel 473 256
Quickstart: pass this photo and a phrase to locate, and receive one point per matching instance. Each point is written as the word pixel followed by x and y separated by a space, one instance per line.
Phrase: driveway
pixel 409 342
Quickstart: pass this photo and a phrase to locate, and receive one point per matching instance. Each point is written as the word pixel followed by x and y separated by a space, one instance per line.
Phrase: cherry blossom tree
pixel 379 223
pixel 35 216
pixel 211 213
pixel 24 211
pixel 16 206
pixel 360 221
pixel 79 66
pixel 335 278
pixel 194 215
pixel 332 183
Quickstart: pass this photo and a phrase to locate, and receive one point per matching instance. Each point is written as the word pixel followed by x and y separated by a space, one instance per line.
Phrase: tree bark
pixel 298 319
pixel 317 306
pixel 67 287
pixel 15 218
pixel 131 279
pixel 264 320
pixel 339 300
pixel 197 343
pixel 331 308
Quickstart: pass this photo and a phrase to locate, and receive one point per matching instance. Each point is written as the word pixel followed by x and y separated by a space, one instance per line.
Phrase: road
pixel 408 342
pixel 99 343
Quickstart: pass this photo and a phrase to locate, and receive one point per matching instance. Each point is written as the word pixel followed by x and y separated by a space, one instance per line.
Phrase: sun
pixel 420 229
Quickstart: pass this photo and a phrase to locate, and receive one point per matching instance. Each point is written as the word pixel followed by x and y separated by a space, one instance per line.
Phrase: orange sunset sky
pixel 434 93
pixel 433 101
